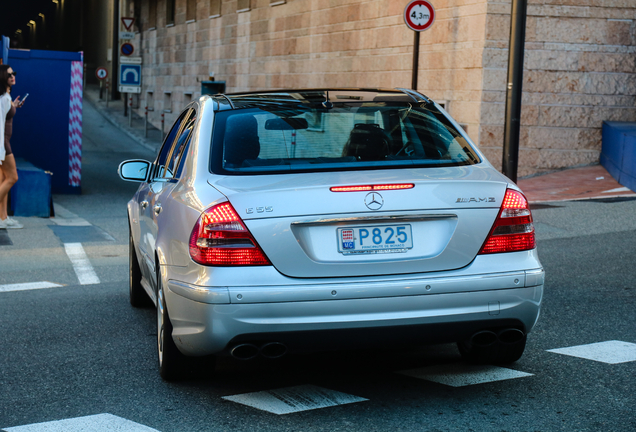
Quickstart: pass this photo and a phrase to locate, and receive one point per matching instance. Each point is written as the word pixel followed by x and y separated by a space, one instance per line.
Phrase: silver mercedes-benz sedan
pixel 294 220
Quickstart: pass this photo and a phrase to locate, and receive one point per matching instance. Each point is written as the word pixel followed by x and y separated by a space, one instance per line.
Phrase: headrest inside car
pixel 241 139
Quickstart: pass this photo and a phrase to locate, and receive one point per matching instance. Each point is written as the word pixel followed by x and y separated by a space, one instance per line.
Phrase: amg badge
pixel 475 200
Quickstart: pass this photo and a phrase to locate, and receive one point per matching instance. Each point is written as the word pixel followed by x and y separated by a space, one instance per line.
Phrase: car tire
pixel 137 294
pixel 497 353
pixel 171 361
pixel 173 365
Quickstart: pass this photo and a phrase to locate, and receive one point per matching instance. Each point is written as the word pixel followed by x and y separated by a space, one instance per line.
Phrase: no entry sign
pixel 419 15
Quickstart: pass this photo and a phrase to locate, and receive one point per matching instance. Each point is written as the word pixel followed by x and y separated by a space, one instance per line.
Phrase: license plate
pixel 375 239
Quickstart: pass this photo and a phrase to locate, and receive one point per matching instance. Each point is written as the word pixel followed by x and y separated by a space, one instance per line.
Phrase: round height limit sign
pixel 419 15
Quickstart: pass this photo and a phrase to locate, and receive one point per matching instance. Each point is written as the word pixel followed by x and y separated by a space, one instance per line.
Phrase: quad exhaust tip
pixel 510 336
pixel 248 351
pixel 273 350
pixel 486 338
pixel 244 351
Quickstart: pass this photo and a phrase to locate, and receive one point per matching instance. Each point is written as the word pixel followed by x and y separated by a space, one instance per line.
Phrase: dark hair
pixel 4 78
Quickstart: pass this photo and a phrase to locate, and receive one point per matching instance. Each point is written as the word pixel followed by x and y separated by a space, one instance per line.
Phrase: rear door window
pixel 175 159
pixel 165 162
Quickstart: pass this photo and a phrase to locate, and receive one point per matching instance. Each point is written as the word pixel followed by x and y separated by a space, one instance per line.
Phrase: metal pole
pixel 146 123
pixel 514 91
pixel 162 123
pixel 130 116
pixel 125 104
pixel 416 59
pixel 115 63
pixel 107 92
pixel 101 89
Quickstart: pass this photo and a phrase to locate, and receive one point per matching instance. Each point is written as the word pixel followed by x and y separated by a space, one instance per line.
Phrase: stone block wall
pixel 315 43
pixel 579 70
pixel 580 66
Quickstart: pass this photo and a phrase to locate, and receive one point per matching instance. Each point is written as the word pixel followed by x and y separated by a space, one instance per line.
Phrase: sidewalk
pixel 589 182
pixel 584 183
pixel 114 113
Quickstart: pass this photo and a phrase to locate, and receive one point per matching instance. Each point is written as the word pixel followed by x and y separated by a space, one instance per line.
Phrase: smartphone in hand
pixel 25 98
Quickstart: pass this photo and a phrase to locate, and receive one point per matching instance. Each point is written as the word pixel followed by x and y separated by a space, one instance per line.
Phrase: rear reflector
pixel 513 230
pixel 363 188
pixel 220 238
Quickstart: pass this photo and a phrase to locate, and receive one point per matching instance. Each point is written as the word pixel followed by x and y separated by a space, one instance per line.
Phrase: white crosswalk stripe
pixel 28 286
pixel 294 399
pixel 94 423
pixel 461 374
pixel 612 352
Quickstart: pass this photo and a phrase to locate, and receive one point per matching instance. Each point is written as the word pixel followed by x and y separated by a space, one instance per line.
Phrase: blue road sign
pixel 130 75
pixel 127 49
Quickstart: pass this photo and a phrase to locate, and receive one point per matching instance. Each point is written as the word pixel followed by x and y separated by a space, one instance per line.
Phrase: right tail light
pixel 513 230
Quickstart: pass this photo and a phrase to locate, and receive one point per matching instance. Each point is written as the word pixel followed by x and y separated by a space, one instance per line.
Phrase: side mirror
pixel 134 170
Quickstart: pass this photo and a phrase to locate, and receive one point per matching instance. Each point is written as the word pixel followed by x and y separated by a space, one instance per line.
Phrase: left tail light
pixel 513 230
pixel 220 238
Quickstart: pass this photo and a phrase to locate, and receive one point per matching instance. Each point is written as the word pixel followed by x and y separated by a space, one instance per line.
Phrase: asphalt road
pixel 80 350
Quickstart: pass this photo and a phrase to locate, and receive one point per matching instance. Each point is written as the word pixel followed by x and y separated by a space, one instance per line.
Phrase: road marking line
pixel 612 352
pixel 460 374
pixel 294 399
pixel 28 286
pixel 65 217
pixel 620 189
pixel 94 423
pixel 82 266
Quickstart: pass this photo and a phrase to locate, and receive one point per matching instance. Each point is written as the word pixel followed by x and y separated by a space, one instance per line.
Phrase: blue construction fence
pixel 47 130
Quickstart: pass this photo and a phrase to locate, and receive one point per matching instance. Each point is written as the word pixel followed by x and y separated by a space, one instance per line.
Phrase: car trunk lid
pixel 307 230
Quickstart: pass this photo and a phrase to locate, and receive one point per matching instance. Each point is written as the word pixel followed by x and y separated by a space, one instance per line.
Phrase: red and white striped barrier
pixel 75 125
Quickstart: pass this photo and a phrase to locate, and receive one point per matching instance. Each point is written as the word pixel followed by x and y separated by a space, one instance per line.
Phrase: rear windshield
pixel 345 136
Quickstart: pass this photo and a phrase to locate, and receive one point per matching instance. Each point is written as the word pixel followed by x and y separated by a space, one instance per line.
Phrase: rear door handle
pixel 157 208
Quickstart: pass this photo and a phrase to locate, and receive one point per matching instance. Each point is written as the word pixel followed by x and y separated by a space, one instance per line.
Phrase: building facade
pixel 579 68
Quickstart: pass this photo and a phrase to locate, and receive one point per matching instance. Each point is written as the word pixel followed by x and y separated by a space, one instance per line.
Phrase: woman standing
pixel 8 170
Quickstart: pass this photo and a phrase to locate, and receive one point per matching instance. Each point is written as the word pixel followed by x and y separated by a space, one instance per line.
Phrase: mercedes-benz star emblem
pixel 374 201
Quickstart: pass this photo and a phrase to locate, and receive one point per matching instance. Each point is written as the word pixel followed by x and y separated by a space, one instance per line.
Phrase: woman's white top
pixel 5 106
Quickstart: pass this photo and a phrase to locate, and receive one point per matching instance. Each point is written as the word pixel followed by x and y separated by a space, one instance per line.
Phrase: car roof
pixel 316 96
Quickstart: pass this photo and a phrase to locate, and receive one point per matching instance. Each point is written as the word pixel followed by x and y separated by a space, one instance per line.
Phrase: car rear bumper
pixel 210 320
